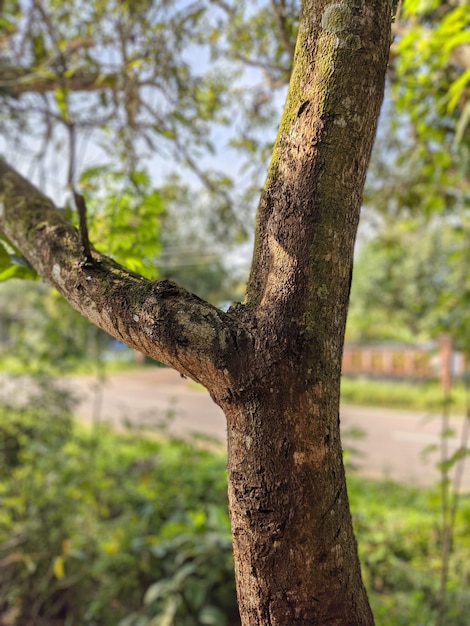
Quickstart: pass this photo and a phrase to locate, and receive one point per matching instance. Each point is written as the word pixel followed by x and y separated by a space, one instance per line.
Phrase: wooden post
pixel 445 362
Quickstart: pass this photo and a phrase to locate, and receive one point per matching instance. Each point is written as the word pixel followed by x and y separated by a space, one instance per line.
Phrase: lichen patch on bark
pixel 336 17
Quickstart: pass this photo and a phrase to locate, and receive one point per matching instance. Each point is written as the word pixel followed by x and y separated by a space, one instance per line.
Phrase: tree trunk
pixel 273 363
pixel 295 553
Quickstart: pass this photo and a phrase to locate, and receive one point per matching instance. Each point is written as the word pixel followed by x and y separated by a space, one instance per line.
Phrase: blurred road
pixel 392 445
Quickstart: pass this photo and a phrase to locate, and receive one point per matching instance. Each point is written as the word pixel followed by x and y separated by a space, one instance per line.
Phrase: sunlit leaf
pixel 58 567
pixel 156 591
pixel 62 103
pixel 211 615
pixel 457 88
pixel 4 258
pixel 16 271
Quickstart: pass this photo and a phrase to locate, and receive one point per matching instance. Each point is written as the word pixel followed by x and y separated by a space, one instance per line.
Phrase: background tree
pixel 418 189
pixel 385 307
pixel 38 330
pixel 116 76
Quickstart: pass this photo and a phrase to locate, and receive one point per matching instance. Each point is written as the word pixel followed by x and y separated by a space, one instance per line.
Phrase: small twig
pixel 81 208
pixel 72 151
pixel 279 11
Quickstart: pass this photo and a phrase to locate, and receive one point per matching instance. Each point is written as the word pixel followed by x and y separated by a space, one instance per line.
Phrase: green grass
pixel 14 366
pixel 419 396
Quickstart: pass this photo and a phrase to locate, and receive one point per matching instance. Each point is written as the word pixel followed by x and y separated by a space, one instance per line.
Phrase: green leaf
pixel 7 26
pixel 136 64
pixel 58 567
pixel 212 615
pixel 463 123
pixel 460 454
pixel 4 258
pixel 156 591
pixel 456 90
pixel 196 590
pixel 39 48
pixel 188 569
pixel 16 259
pixel 93 172
pixel 16 271
pixel 61 98
pixel 430 449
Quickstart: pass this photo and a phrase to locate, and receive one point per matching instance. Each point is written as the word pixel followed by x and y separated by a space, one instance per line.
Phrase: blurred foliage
pixel 433 70
pixel 399 545
pixel 411 274
pixel 412 268
pixel 430 91
pixel 120 85
pixel 168 85
pixel 40 332
pixel 100 528
pixel 194 252
pixel 120 204
pixel 97 528
pixel 411 282
pixel 118 68
pixel 93 95
pixel 103 529
pixel 13 264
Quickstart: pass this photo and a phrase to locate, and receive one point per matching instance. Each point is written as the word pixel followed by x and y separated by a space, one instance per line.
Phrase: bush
pixel 103 529
pixel 399 537
pixel 97 528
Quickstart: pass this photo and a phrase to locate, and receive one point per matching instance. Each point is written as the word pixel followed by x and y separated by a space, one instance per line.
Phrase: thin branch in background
pixel 279 11
pixel 445 509
pixel 203 177
pixel 263 65
pixel 465 434
pixel 72 155
pixel 98 387
pixel 225 6
pixel 460 462
pixel 460 467
pixel 52 34
pixel 397 14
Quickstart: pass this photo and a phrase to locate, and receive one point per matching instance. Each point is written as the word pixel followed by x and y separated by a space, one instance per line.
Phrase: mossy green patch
pixel 335 18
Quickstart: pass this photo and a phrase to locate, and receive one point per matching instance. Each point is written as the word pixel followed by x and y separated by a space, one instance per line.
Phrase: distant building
pixel 394 360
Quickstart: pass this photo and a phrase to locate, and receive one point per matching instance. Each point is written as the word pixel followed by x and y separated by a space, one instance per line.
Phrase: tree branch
pixel 310 205
pixel 161 319
pixel 18 80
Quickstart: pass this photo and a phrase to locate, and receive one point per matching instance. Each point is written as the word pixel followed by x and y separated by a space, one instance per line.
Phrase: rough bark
pixel 273 364
pixel 160 319
pixel 287 429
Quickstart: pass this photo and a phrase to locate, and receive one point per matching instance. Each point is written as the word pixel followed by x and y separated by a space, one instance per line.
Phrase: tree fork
pixel 274 363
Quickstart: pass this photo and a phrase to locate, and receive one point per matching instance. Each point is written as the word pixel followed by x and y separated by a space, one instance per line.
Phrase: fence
pixel 433 360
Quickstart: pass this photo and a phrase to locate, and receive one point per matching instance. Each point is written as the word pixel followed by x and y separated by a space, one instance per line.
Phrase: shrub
pixel 106 529
pixel 99 528
pixel 399 537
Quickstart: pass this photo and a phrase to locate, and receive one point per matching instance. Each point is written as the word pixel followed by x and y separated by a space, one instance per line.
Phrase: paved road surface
pixel 392 445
